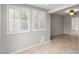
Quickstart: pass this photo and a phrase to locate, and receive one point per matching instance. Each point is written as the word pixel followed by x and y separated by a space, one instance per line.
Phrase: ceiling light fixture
pixel 71 12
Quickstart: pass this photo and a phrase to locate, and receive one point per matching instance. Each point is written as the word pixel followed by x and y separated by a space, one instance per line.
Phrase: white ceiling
pixel 65 11
pixel 49 6
pixel 56 8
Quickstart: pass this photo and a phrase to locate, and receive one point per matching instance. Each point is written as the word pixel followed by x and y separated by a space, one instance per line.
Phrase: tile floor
pixel 63 44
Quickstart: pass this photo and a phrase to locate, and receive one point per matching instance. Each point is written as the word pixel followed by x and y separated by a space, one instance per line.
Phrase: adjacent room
pixel 39 28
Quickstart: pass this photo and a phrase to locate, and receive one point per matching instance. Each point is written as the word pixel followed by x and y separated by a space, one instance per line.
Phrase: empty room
pixel 39 28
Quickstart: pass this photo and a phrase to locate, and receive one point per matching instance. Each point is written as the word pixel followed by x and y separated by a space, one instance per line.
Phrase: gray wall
pixel 0 28
pixel 57 25
pixel 67 24
pixel 14 42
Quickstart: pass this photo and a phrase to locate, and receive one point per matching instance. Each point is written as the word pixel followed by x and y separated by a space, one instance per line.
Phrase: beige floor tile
pixel 65 44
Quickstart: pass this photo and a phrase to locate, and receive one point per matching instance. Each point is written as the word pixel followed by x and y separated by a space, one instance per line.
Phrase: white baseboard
pixel 18 51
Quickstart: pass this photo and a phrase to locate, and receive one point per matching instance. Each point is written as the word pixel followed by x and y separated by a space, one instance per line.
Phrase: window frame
pixel 74 25
pixel 33 23
pixel 19 8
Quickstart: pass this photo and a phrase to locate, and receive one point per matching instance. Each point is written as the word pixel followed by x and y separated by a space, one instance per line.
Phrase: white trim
pixel 18 51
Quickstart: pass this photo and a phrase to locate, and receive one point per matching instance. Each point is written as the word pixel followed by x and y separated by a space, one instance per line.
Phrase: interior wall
pixel 67 24
pixel 67 27
pixel 0 28
pixel 57 25
pixel 14 42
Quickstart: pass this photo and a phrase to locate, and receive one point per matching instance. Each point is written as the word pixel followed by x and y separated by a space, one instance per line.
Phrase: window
pixel 38 20
pixel 42 21
pixel 75 24
pixel 18 20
